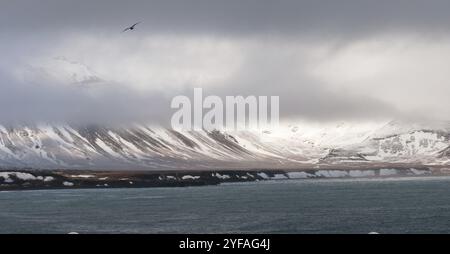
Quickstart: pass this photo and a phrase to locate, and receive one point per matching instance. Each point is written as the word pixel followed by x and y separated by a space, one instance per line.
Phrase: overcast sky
pixel 327 60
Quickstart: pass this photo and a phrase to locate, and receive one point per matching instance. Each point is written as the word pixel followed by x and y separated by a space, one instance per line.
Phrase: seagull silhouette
pixel 131 27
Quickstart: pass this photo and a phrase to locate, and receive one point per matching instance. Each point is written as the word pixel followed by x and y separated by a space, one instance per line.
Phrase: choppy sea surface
pixel 397 205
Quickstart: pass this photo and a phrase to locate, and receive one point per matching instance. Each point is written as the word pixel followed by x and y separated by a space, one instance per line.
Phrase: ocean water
pixel 402 205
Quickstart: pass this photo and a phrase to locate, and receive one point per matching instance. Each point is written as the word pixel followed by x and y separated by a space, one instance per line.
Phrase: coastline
pixel 90 179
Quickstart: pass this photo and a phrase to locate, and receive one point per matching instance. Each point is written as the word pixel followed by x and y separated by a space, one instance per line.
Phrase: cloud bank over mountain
pixel 327 60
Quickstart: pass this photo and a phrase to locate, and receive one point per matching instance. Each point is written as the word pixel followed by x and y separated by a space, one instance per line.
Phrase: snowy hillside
pixel 140 147
pixel 290 145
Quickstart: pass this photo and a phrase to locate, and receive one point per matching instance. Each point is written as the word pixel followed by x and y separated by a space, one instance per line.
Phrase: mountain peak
pixel 61 70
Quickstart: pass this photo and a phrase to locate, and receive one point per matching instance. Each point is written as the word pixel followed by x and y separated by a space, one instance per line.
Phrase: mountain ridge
pixel 148 147
pixel 142 146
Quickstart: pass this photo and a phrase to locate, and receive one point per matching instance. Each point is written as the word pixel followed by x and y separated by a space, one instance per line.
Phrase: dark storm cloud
pixel 231 17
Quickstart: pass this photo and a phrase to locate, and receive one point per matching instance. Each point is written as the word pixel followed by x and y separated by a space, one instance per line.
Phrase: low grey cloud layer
pixel 111 104
pixel 233 17
pixel 327 60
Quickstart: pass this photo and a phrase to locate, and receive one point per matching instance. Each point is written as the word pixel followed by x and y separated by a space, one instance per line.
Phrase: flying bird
pixel 131 27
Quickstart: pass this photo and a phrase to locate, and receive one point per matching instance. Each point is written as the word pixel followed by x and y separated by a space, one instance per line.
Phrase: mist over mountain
pixel 105 144
pixel 79 93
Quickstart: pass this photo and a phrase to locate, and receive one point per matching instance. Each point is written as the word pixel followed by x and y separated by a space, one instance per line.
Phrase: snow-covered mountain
pixel 290 145
pixel 146 147
pixel 60 70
